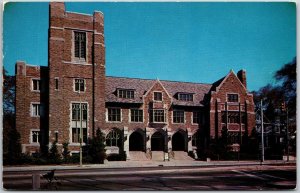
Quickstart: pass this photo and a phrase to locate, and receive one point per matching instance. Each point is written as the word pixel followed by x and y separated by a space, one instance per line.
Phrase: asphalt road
pixel 162 178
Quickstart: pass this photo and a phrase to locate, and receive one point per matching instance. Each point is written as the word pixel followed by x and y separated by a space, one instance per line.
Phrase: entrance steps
pixel 157 155
pixel 181 155
pixel 138 156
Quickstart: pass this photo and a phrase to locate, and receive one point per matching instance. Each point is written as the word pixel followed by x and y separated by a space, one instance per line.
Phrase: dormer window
pixel 232 98
pixel 80 45
pixel 126 93
pixel 185 96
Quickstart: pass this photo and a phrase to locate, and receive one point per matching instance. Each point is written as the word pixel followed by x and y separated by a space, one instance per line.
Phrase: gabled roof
pixel 141 86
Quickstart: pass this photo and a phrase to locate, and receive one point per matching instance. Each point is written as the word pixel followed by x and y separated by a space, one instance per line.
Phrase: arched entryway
pixel 157 142
pixel 136 142
pixel 179 141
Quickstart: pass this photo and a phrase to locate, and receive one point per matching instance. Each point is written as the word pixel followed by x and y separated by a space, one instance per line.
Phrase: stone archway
pixel 158 142
pixel 179 141
pixel 136 142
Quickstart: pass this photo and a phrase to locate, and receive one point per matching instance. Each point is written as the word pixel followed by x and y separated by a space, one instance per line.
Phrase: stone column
pixel 189 139
pixel 126 142
pixel 148 138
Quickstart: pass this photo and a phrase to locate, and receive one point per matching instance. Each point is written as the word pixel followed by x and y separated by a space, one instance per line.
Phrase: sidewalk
pixel 134 164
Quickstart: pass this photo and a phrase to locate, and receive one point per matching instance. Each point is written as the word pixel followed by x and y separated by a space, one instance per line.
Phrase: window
pixel 80 45
pixel 35 136
pixel 232 97
pixel 36 110
pixel 158 116
pixel 157 96
pixel 56 136
pixel 232 137
pixel 76 111
pixel 77 122
pixel 185 96
pixel 36 84
pixel 76 135
pixel 114 114
pixel 234 117
pixel 196 117
pixel 79 85
pixel 178 116
pixel 124 93
pixel 136 115
pixel 114 138
pixel 56 83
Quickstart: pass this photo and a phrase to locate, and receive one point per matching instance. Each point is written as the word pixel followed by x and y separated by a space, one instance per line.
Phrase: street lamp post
pixel 262 133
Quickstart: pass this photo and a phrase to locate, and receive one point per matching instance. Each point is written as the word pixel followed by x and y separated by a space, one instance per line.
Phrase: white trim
pixel 76 59
pixel 84 85
pixel 232 93
pixel 53 27
pixel 114 121
pixel 70 122
pixel 162 96
pixel 39 85
pixel 31 109
pixel 56 79
pixel 79 13
pixel 160 91
pixel 57 39
pixel 31 137
pixel 172 112
pixel 77 63
pixel 79 29
pixel 129 114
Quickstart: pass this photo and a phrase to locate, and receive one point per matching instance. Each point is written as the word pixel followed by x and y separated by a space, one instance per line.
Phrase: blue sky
pixel 193 42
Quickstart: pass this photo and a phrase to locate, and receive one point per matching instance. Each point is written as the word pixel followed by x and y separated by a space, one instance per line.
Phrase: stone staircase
pixel 181 155
pixel 157 155
pixel 138 156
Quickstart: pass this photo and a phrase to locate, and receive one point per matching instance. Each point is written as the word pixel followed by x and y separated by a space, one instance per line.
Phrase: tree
pixel 54 156
pixel 11 137
pixel 97 148
pixel 66 152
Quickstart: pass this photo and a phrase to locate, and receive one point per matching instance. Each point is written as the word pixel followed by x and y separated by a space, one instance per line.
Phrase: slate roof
pixel 141 86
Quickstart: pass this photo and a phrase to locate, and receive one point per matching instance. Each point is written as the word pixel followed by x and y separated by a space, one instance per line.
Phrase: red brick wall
pixel 231 84
pixel 62 65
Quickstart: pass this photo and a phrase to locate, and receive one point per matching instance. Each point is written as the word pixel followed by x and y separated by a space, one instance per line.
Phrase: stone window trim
pixel 159 115
pixel 231 93
pixel 75 82
pixel 129 116
pixel 78 60
pixel 71 128
pixel 56 83
pixel 185 96
pixel 125 93
pixel 32 131
pixel 155 96
pixel 184 116
pixel 36 112
pixel 38 84
pixel 192 118
pixel 107 116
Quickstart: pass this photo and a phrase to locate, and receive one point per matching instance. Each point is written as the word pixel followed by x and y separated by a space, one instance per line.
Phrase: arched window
pixel 114 138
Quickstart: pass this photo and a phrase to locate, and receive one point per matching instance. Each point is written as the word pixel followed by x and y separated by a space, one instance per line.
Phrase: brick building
pixel 141 117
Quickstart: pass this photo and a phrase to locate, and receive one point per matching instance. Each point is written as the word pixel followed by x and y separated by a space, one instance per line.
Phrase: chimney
pixel 242 76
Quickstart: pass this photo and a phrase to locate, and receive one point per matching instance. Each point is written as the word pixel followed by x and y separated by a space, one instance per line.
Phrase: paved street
pixel 257 177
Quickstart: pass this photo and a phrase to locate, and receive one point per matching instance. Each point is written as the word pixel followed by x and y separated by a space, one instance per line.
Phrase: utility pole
pixel 262 133
pixel 80 138
pixel 287 133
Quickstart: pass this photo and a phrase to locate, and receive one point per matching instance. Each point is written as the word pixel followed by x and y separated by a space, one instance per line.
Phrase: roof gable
pixel 230 74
